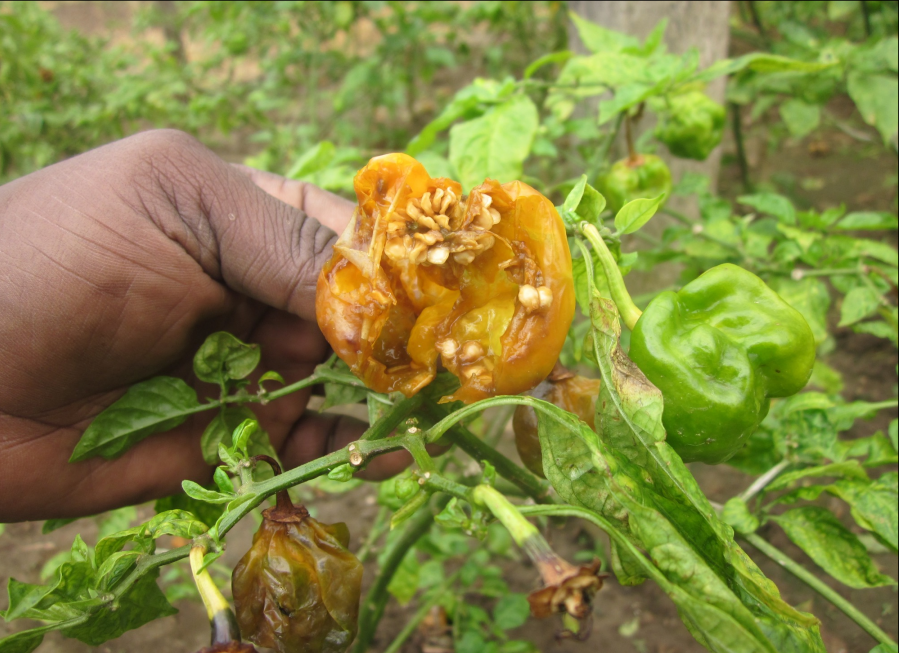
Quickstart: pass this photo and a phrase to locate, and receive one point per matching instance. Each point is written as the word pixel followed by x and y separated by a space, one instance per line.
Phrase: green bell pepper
pixel 719 349
pixel 691 126
pixel 644 175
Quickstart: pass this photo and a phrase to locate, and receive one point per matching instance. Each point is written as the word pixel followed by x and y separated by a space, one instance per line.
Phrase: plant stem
pixel 819 586
pixel 626 307
pixel 221 618
pixel 603 153
pixel 823 272
pixel 376 531
pixel 373 605
pixel 737 127
pixel 629 138
pixel 497 426
pixel 762 481
pixel 479 450
pixel 521 530
pixel 421 613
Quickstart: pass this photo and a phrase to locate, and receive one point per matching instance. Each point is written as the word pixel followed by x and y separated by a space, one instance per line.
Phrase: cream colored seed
pixel 413 211
pixel 436 199
pixel 464 258
pixel 546 296
pixel 425 221
pixel 486 201
pixel 438 255
pixel 495 215
pixel 483 220
pixel 429 238
pixel 486 241
pixel 395 249
pixel 419 253
pixel 442 221
pixel 398 227
pixel 426 204
pixel 447 348
pixel 448 199
pixel 529 297
pixel 473 370
pixel 472 350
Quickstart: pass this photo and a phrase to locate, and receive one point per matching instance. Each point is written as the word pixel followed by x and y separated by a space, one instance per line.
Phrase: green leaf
pixel 152 406
pixel 495 145
pixel 469 102
pixel 759 62
pixel 271 375
pixel 342 473
pixel 877 99
pixel 772 204
pixel 316 158
pixel 801 118
pixel 178 523
pixel 339 394
pixel 859 303
pixel 848 469
pixel 868 220
pixel 637 213
pixel 404 583
pixel 599 39
pixel 219 430
pixel 207 513
pixel 553 57
pixel 28 640
pixel 737 514
pixel 824 376
pixel 894 434
pixel 141 604
pixel 223 358
pixel 243 433
pixel 873 505
pixel 198 492
pixel 222 481
pixel 810 297
pixel 832 546
pixel 511 611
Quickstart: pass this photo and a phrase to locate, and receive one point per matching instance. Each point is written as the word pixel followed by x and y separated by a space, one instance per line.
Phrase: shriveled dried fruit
pixel 298 587
pixel 576 394
pixel 483 282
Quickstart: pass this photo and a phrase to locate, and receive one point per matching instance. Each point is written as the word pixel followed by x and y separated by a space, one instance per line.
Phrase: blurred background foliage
pixel 272 78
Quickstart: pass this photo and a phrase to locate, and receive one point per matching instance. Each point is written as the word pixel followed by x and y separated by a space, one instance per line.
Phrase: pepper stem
pixel 622 298
pixel 282 498
pixel 552 568
pixel 221 619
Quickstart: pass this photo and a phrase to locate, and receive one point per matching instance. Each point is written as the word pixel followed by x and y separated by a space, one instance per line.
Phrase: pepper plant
pixel 625 473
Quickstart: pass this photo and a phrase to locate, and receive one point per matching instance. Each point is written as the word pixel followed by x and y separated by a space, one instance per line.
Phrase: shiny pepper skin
pixel 576 394
pixel 297 588
pixel 644 175
pixel 481 282
pixel 719 350
pixel 692 125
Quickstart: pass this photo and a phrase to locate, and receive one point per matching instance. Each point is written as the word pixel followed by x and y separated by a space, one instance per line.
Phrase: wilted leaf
pixel 832 546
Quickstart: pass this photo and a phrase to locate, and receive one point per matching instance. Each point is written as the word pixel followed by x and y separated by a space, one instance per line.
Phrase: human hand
pixel 114 266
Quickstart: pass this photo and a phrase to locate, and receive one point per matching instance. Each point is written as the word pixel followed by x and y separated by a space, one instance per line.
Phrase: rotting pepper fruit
pixel 298 587
pixel 576 394
pixel 483 281
pixel 719 349
pixel 641 175
pixel 691 125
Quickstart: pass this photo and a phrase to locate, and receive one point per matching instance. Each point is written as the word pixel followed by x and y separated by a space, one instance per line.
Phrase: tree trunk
pixel 702 24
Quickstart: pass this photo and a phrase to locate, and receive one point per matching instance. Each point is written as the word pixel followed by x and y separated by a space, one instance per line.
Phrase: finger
pixel 292 347
pixel 331 210
pixel 316 435
pixel 254 243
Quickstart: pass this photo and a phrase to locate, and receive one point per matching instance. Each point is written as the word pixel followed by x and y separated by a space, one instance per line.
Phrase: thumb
pixel 251 241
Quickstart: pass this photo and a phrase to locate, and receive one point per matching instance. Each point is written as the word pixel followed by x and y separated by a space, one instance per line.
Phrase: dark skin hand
pixel 114 265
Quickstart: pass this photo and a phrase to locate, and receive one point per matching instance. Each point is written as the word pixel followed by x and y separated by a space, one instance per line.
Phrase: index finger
pixel 329 209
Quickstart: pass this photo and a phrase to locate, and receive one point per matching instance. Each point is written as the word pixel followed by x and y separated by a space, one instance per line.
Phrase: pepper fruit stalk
pixel 567 589
pixel 222 622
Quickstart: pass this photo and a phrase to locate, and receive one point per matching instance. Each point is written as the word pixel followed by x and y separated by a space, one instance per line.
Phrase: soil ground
pixel 640 619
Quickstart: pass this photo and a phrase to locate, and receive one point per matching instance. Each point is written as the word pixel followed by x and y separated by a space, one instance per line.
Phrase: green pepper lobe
pixel 644 175
pixel 719 349
pixel 692 126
